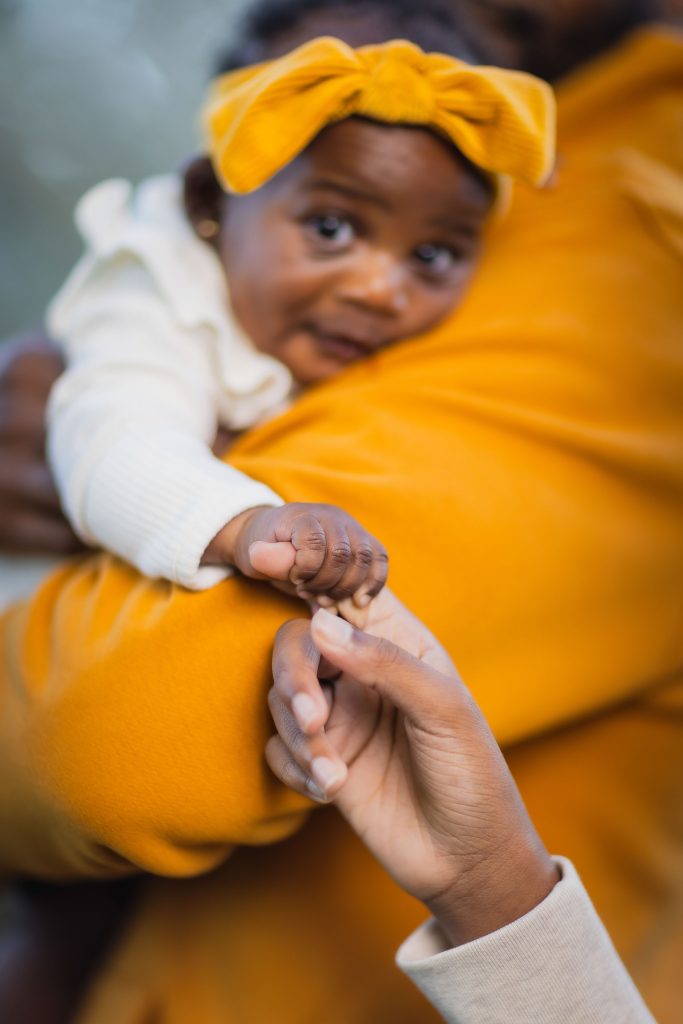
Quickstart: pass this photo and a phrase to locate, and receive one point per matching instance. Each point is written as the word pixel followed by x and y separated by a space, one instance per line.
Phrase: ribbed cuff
pixel 555 965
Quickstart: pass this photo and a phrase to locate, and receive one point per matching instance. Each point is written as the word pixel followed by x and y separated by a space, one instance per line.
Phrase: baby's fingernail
pixel 338 631
pixel 305 710
pixel 326 773
pixel 362 600
pixel 324 601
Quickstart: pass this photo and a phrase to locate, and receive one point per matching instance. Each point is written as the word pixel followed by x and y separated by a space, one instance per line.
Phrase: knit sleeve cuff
pixel 555 965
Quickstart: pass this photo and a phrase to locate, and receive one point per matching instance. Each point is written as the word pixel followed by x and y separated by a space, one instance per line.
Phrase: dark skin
pixel 345 252
pixel 30 512
pixel 342 254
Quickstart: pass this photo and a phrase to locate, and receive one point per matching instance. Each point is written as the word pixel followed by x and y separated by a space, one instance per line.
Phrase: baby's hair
pixel 433 25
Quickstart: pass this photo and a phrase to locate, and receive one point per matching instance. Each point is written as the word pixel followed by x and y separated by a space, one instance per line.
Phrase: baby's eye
pixel 335 231
pixel 436 259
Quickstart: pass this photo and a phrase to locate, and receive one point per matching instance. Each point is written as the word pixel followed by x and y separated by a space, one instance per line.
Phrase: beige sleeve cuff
pixel 555 965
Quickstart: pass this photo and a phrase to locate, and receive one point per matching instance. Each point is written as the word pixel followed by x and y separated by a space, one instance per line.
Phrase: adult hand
pixel 31 519
pixel 402 750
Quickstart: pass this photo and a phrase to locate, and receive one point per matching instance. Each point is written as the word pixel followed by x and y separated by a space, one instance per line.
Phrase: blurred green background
pixel 90 89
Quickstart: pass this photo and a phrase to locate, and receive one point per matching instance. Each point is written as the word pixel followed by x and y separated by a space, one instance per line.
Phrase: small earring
pixel 208 228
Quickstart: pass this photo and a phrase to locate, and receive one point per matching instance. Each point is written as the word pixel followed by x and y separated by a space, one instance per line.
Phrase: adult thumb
pixel 416 689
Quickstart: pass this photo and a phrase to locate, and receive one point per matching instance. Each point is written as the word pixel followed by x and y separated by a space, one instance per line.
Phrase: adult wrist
pixel 496 891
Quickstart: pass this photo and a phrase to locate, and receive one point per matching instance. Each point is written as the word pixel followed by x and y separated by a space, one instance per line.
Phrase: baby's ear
pixel 203 197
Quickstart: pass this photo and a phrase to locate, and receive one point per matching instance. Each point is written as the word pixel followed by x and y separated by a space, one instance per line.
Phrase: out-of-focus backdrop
pixel 90 89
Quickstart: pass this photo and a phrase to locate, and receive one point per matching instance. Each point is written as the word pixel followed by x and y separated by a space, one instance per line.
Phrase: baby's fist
pixel 323 552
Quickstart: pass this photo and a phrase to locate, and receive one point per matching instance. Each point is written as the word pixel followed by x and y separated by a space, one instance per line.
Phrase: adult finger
pixel 419 691
pixel 29 358
pixel 22 419
pixel 296 664
pixel 26 481
pixel 35 532
pixel 285 768
pixel 314 754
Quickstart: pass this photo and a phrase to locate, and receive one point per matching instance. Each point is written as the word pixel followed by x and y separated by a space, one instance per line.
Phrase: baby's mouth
pixel 343 347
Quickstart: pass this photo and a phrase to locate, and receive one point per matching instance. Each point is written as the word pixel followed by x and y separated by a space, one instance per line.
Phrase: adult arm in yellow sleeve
pixel 522 465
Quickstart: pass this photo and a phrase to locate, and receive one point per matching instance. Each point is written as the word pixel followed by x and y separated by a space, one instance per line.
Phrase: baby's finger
pixel 360 572
pixel 338 557
pixel 376 577
pixel 274 560
pixel 308 537
pixel 314 754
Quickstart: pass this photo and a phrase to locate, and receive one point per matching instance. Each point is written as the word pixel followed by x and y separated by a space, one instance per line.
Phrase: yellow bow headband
pixel 258 119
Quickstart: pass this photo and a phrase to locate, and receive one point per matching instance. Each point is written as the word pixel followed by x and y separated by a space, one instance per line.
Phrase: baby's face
pixel 367 238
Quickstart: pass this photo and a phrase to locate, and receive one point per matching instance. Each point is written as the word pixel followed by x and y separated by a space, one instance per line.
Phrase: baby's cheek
pixel 303 359
pixel 436 307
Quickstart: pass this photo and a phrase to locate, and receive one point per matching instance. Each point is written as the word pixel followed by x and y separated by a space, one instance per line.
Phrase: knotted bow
pixel 258 119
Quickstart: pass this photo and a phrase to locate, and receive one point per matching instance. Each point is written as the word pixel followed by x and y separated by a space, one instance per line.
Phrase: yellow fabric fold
pixel 258 119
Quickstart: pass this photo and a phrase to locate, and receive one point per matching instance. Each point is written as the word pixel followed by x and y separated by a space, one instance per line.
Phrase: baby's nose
pixel 377 282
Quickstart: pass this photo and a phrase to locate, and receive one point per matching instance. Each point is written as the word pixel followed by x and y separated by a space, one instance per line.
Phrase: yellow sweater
pixel 524 466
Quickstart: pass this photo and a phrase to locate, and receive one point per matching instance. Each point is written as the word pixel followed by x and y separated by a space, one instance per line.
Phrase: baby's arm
pixel 130 423
pixel 130 427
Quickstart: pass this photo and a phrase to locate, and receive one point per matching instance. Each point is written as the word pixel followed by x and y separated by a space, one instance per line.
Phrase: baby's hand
pixel 319 549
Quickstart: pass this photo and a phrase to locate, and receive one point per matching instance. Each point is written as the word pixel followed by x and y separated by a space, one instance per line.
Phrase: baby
pixel 339 209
